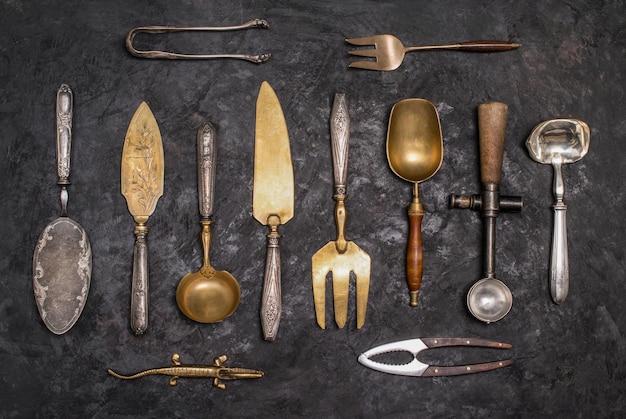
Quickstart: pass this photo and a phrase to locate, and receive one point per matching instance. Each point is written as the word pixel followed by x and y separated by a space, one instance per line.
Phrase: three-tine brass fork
pixel 389 50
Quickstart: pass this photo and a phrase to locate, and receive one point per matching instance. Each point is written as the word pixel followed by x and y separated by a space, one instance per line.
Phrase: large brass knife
pixel 142 186
pixel 273 196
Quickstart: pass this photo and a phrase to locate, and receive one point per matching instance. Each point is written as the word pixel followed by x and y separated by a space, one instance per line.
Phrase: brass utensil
pixel 62 257
pixel 414 153
pixel 558 142
pixel 219 372
pixel 273 197
pixel 207 296
pixel 255 23
pixel 489 299
pixel 142 186
pixel 340 257
pixel 389 50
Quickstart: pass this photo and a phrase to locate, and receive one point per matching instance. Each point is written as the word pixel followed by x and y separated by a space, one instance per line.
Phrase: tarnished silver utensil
pixel 255 23
pixel 489 299
pixel 142 186
pixel 208 295
pixel 340 257
pixel 389 51
pixel 273 197
pixel 62 258
pixel 558 142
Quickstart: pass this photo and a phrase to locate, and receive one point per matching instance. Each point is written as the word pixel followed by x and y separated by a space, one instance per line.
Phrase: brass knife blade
pixel 273 171
pixel 273 197
pixel 142 186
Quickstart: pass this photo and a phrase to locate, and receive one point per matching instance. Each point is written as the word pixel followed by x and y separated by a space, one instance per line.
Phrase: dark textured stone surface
pixel 570 360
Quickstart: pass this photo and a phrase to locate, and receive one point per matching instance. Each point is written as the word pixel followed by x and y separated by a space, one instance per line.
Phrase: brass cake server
pixel 273 197
pixel 142 186
pixel 341 256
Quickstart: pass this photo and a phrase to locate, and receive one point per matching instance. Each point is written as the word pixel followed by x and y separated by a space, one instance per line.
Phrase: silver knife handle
pixel 271 303
pixel 64 112
pixel 139 289
pixel 339 135
pixel 206 169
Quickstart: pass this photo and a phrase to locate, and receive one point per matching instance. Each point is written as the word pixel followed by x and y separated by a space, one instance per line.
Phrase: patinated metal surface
pixel 273 197
pixel 341 257
pixel 142 186
pixel 62 258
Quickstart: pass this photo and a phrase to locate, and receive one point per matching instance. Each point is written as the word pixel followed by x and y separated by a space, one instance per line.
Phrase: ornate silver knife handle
pixel 271 303
pixel 206 169
pixel 139 287
pixel 64 113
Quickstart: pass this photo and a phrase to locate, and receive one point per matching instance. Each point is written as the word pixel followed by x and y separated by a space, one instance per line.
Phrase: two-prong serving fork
pixel 389 50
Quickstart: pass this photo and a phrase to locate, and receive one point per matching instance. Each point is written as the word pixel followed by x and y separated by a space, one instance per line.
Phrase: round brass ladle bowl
pixel 208 296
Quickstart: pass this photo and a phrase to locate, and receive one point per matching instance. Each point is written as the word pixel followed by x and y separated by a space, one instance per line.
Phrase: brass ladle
pixel 207 296
pixel 414 153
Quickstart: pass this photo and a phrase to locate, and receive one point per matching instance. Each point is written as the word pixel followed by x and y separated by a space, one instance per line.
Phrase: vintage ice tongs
pixel 217 371
pixel 156 54
pixel 489 299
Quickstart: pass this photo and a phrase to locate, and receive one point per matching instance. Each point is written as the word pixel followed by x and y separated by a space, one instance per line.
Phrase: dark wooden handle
pixel 478 343
pixel 434 371
pixel 491 131
pixel 414 255
pixel 488 46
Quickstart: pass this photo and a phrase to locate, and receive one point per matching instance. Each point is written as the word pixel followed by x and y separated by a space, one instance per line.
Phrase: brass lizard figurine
pixel 218 372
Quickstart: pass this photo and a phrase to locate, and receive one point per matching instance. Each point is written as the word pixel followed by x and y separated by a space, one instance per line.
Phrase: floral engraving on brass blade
pixel 142 164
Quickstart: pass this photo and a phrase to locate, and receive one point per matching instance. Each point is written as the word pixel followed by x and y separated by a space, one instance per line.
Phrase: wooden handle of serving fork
pixel 487 46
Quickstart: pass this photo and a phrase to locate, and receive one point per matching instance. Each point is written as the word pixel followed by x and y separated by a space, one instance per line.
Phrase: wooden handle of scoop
pixel 414 253
pixel 492 128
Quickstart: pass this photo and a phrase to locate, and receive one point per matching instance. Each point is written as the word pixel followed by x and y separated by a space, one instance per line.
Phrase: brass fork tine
pixel 341 288
pixel 361 270
pixel 365 65
pixel 368 40
pixel 364 52
pixel 319 288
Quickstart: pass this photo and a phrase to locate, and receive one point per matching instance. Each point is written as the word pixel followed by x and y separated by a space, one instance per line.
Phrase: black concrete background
pixel 569 359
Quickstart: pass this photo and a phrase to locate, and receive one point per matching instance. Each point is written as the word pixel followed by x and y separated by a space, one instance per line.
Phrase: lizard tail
pixel 131 377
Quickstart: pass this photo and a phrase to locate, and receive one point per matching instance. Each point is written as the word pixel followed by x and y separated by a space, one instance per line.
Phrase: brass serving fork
pixel 341 256
pixel 389 50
